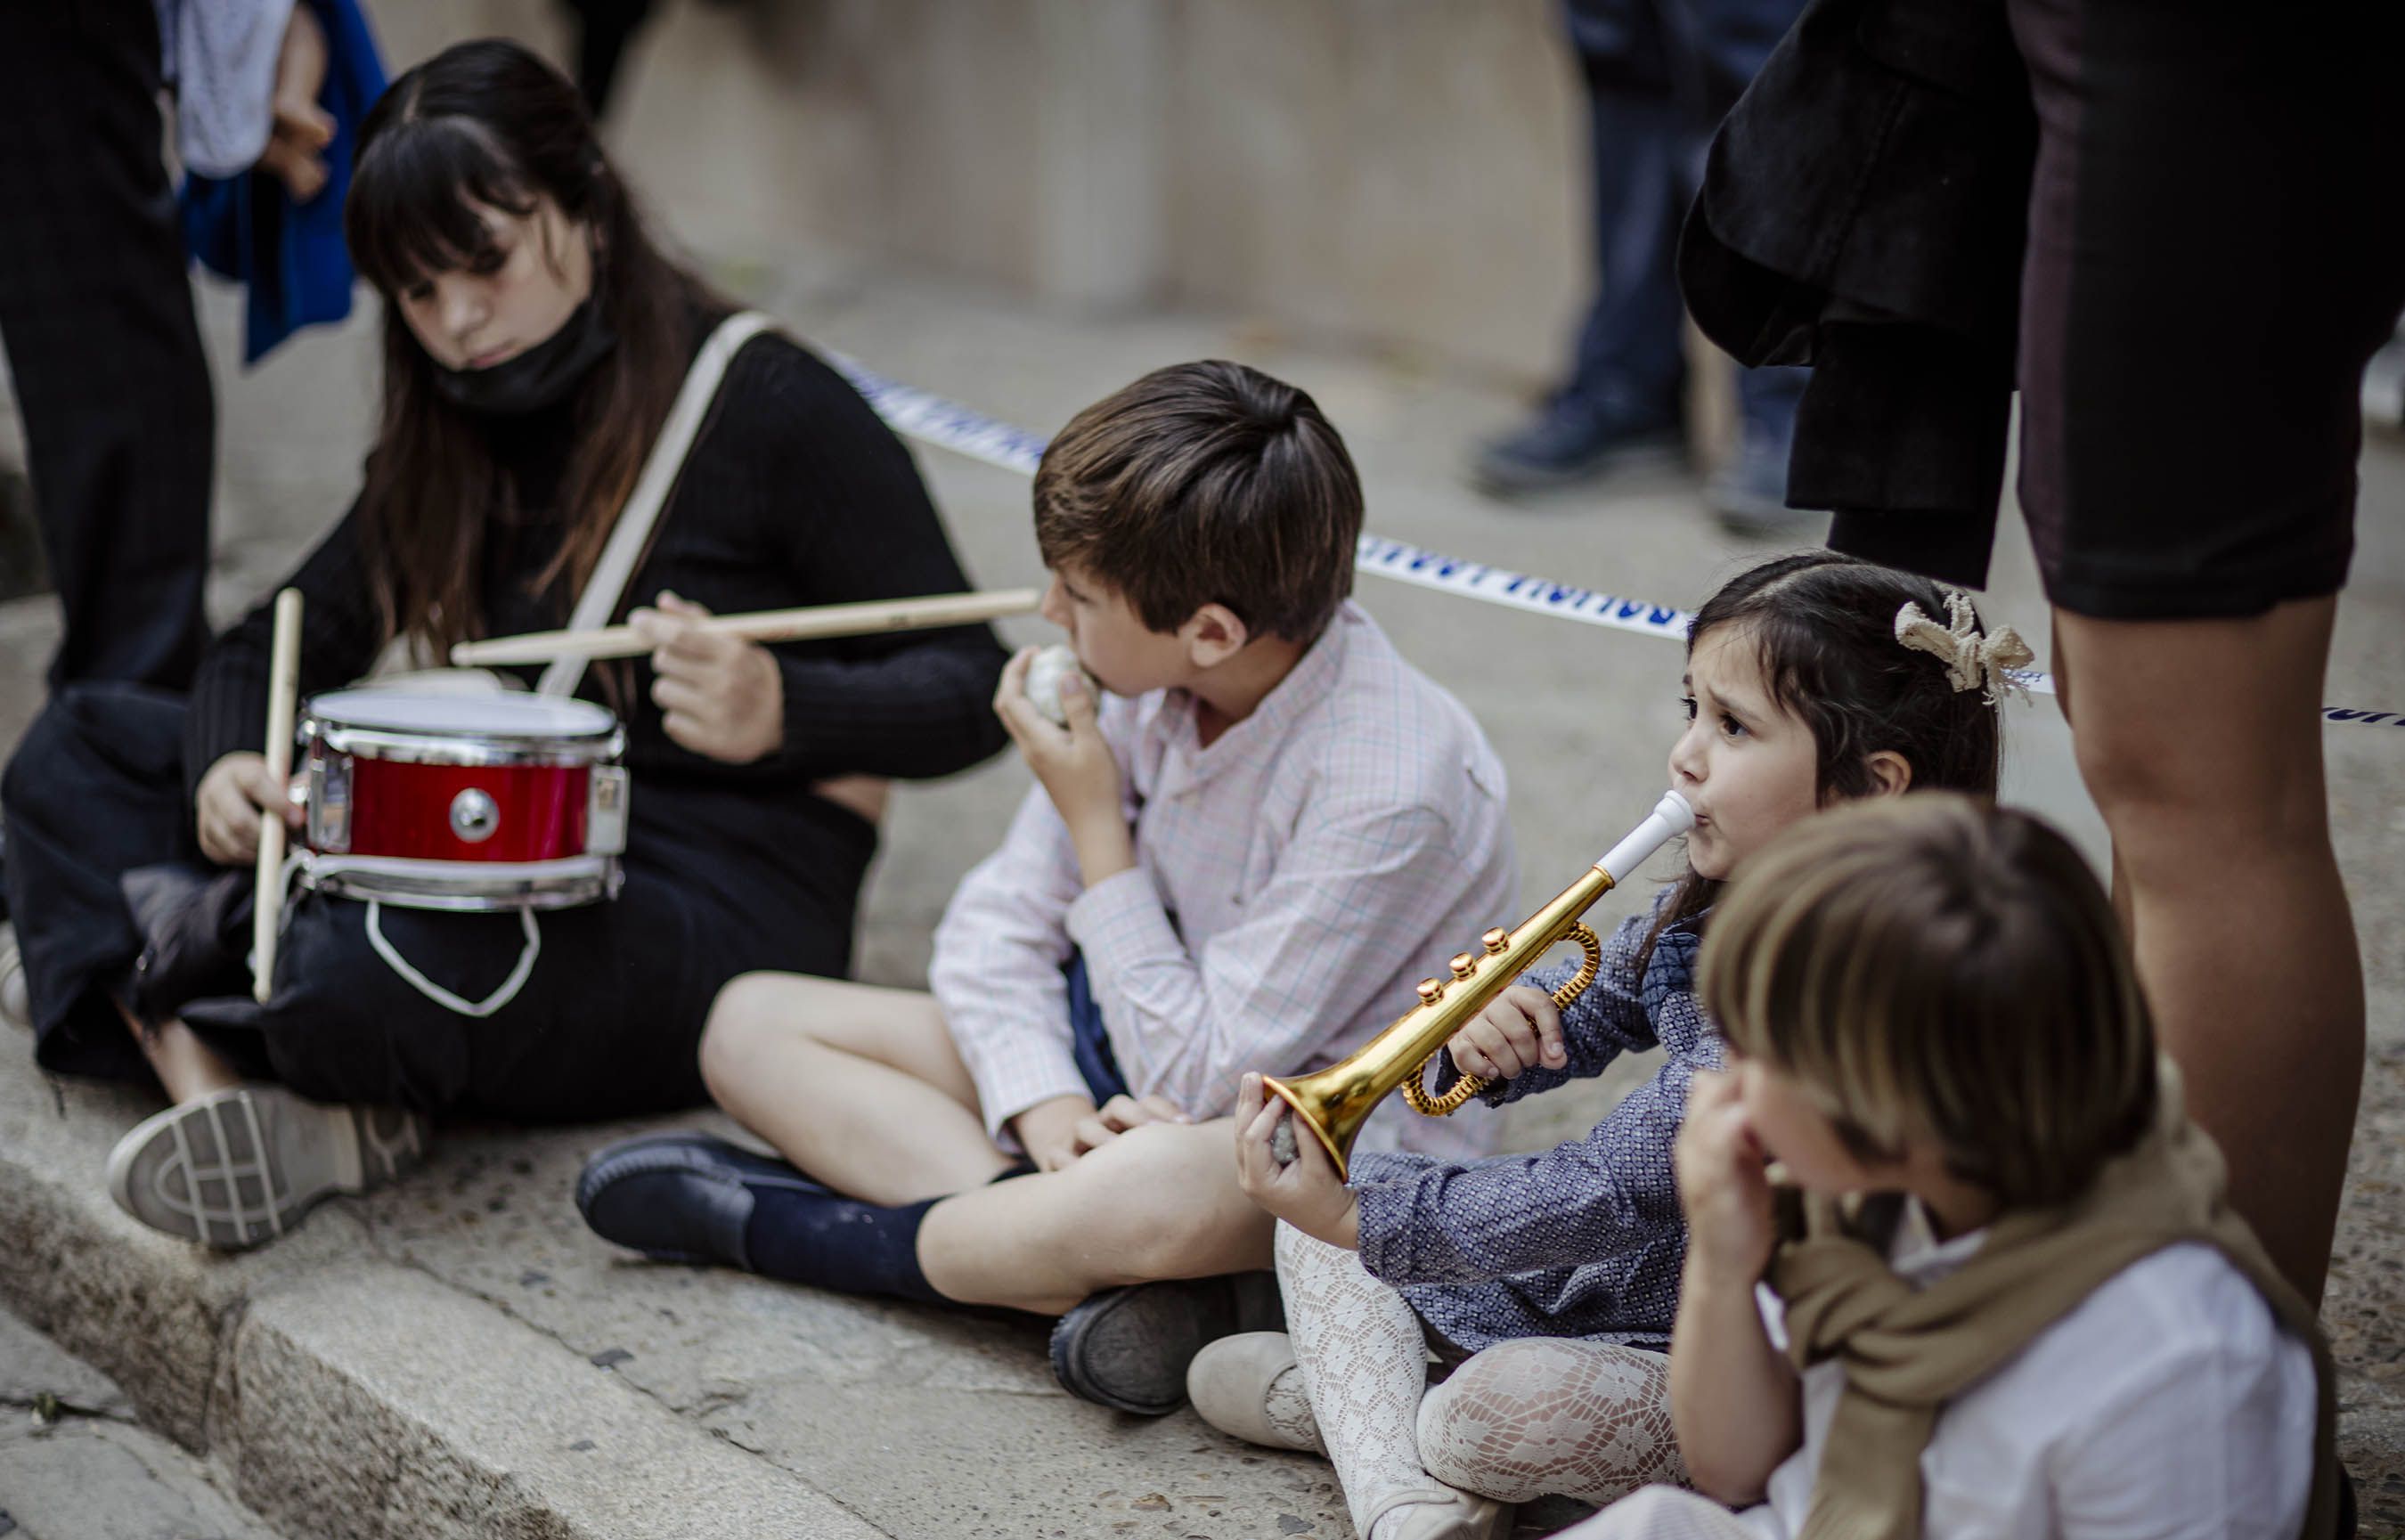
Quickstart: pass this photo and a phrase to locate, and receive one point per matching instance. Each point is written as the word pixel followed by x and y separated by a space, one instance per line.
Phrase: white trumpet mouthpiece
pixel 1672 817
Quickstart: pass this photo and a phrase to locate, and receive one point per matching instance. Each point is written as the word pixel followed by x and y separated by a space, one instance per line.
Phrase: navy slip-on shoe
pixel 680 1197
pixel 1129 1349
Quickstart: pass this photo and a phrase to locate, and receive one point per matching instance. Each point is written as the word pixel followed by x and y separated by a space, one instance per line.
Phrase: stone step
pixel 346 1392
pixel 458 1356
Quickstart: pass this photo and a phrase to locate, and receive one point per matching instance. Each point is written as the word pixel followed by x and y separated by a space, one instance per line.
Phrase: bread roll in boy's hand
pixel 1073 764
pixel 1520 1030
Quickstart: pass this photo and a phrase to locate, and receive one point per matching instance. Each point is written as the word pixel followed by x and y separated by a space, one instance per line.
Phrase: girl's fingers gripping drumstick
pixel 267 900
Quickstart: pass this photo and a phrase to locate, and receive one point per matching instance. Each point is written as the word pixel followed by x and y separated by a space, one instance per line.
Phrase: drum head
pixel 430 714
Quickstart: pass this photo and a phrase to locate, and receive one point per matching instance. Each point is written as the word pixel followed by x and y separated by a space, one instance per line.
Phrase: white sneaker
pixel 15 1004
pixel 1247 1386
pixel 238 1168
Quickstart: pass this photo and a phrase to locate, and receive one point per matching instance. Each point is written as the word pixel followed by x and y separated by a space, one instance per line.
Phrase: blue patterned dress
pixel 1585 1239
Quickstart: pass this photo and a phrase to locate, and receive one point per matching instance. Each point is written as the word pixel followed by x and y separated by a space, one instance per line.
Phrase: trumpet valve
pixel 1495 940
pixel 1431 990
pixel 1464 965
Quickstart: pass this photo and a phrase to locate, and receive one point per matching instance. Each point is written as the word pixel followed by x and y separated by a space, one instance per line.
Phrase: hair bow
pixel 1973 661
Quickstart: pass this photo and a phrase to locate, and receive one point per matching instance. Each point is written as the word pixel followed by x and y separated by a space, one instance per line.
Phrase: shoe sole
pixel 238 1169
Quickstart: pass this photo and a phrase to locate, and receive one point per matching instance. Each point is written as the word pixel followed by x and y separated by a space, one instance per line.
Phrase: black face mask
pixel 542 376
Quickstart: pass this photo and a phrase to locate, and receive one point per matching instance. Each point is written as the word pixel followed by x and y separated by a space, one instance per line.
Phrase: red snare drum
pixel 475 802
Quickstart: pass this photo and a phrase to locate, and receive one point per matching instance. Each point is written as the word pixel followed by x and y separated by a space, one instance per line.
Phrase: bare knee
pixel 2167 805
pixel 745 1021
pixel 1166 1197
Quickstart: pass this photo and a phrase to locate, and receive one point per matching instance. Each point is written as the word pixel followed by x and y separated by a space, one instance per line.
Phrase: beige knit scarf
pixel 1908 1352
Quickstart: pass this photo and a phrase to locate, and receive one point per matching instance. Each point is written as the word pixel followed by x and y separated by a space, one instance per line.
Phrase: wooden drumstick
pixel 267 899
pixel 816 622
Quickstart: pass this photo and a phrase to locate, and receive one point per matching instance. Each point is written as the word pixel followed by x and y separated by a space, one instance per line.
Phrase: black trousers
pixel 608 1022
pixel 96 316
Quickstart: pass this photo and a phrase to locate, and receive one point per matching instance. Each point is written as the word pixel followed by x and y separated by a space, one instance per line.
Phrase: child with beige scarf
pixel 2005 1297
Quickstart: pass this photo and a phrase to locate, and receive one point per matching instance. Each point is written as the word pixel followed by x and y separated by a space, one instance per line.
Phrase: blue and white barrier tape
pixel 931 419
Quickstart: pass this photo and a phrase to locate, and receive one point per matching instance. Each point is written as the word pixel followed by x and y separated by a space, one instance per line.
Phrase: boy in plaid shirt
pixel 1241 857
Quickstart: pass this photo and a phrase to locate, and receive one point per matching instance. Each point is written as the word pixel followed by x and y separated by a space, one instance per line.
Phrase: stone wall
pixel 1402 173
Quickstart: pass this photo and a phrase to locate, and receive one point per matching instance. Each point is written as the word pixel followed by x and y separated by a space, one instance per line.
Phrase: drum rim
pixel 604 720
pixel 401 747
pixel 566 882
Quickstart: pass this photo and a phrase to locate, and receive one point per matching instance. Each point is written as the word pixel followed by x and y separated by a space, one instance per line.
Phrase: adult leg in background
pixel 96 313
pixel 2189 433
pixel 2240 922
pixel 1623 397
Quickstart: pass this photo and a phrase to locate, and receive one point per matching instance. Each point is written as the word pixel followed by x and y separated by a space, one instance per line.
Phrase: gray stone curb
pixel 349 1396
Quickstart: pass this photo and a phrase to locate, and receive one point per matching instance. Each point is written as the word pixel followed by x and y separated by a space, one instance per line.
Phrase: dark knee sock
pixel 834 1242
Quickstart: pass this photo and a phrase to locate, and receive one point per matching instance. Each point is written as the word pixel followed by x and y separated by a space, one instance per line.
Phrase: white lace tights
pixel 1521 1419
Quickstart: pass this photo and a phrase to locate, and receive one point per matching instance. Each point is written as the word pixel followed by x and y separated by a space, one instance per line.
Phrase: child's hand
pixel 1519 1030
pixel 1076 765
pixel 1055 1133
pixel 1307 1194
pixel 227 805
pixel 1122 1112
pixel 719 695
pixel 1723 1182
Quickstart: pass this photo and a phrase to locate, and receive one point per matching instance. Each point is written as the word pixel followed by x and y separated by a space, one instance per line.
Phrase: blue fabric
pixel 1659 76
pixel 1586 1239
pixel 1088 1041
pixel 290 256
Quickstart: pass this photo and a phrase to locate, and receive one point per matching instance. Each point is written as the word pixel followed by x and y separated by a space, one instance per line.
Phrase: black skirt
pixel 605 1026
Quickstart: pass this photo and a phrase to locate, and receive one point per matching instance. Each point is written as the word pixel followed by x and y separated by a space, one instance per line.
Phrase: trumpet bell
pixel 1333 1103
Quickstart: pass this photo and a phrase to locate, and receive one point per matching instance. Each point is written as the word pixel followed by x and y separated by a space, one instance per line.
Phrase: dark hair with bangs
pixel 1823 627
pixel 1205 484
pixel 488 123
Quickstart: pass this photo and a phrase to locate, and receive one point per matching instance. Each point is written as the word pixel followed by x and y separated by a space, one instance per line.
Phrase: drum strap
pixel 632 534
pixel 507 992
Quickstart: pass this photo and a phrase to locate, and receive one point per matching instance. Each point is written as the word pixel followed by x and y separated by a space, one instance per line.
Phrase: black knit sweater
pixel 795 494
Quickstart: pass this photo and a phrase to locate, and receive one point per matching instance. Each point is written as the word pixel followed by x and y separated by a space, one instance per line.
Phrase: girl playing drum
pixel 534 342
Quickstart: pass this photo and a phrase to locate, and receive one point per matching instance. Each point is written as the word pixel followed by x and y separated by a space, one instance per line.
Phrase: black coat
pixel 1863 211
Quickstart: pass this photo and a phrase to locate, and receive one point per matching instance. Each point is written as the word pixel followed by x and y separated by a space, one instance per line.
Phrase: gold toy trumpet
pixel 1334 1102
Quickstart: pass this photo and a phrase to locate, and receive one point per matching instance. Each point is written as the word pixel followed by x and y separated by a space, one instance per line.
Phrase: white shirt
pixel 1293 881
pixel 2168 1403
